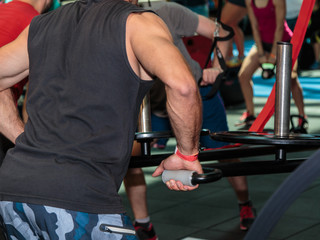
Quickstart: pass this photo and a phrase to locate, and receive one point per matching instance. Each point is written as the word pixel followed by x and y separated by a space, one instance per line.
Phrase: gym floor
pixel 211 211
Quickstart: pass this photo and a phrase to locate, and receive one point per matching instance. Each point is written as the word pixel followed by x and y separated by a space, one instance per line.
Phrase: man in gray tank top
pixel 90 64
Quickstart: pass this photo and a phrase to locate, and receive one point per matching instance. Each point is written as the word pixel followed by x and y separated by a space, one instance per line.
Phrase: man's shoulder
pixel 144 18
pixel 159 6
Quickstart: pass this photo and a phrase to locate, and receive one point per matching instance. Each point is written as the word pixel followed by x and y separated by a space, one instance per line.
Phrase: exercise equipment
pixel 191 178
pixel 222 76
pixel 262 119
pixel 281 136
pixel 267 70
pixel 145 136
pixel 298 128
pixel 267 138
pixel 227 81
pixel 230 89
pixel 279 142
pixel 144 124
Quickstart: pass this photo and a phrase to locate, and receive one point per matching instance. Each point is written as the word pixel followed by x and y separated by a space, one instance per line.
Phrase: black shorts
pixel 239 3
pixel 267 47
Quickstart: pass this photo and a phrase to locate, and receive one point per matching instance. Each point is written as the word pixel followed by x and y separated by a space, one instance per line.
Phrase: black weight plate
pixel 141 136
pixel 266 138
pixel 152 135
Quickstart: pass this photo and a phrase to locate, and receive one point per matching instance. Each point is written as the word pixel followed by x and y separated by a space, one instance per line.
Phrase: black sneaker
pixel 145 233
pixel 247 215
pixel 302 124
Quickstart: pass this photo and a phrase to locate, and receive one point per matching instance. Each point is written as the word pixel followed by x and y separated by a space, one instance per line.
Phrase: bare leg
pixel 248 67
pixel 232 15
pixel 137 191
pixel 296 89
pixel 240 187
pixel 136 188
pixel 239 184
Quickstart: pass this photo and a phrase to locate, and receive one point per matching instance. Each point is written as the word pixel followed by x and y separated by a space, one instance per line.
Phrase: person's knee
pixel 134 177
pixel 243 78
pixel 294 75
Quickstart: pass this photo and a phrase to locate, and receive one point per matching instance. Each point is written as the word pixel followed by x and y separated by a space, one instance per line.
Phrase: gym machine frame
pixel 260 143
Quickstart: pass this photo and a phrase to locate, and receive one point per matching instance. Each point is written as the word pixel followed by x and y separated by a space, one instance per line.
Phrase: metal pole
pixel 282 97
pixel 144 124
pixel 283 89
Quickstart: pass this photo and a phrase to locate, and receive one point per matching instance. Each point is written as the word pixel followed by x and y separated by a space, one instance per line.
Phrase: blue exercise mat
pixel 310 86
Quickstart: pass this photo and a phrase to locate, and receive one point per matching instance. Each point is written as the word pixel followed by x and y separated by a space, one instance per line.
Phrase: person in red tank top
pixel 269 26
pixel 15 16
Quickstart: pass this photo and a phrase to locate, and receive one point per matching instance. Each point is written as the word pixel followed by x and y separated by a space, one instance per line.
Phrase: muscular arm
pixel 166 62
pixel 11 124
pixel 14 63
pixel 151 50
pixel 13 68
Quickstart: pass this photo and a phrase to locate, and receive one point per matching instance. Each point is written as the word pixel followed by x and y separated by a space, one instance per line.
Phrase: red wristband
pixel 189 158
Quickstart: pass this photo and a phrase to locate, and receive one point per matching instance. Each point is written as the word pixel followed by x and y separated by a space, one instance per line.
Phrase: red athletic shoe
pixel 247 215
pixel 145 233
pixel 244 116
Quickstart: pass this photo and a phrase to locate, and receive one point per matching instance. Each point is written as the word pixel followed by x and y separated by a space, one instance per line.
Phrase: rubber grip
pixel 183 176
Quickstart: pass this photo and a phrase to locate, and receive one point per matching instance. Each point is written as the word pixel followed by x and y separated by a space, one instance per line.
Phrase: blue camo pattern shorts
pixel 32 222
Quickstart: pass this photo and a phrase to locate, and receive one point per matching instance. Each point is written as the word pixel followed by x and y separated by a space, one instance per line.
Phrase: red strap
pixel 224 147
pixel 189 158
pixel 296 41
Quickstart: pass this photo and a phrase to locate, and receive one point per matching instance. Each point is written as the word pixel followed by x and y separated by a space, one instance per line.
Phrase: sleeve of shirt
pixel 183 21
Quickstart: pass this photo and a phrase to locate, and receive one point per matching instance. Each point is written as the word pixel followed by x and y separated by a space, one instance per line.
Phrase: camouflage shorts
pixel 30 222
